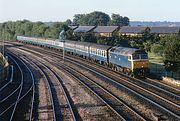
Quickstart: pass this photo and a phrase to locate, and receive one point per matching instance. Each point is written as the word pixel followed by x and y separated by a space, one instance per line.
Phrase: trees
pixel 147 45
pixel 53 31
pixel 38 29
pixel 78 18
pixel 10 30
pixel 125 21
pixel 27 27
pixel 7 30
pixel 94 19
pixel 157 49
pixel 68 22
pixel 118 20
pixel 98 18
pixel 172 53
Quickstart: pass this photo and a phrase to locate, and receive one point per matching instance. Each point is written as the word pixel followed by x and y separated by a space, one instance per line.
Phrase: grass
pixel 157 66
pixel 156 59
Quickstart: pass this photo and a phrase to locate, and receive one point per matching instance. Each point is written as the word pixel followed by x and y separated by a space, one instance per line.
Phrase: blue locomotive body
pixel 120 60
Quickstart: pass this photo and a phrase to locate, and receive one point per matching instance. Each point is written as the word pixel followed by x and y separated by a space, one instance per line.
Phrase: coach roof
pixel 103 47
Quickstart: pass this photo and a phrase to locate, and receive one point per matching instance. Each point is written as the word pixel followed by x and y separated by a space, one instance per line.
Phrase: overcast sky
pixel 60 10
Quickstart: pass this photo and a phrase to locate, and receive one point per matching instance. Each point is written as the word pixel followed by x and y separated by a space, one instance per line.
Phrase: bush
pixel 157 49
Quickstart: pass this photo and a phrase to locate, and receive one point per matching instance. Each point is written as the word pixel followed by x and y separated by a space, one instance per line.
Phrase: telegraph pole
pixel 63 50
pixel 62 39
pixel 3 45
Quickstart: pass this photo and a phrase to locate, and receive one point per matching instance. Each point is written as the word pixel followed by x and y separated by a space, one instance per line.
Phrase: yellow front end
pixel 140 68
pixel 140 64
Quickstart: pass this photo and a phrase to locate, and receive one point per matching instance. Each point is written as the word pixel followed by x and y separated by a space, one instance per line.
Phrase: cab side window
pixel 129 57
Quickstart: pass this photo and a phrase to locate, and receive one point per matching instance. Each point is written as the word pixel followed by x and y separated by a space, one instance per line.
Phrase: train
pixel 131 61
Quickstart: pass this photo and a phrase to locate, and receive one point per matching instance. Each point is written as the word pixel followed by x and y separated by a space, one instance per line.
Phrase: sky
pixel 61 10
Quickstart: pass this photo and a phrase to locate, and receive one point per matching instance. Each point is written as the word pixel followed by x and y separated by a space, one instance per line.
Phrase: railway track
pixel 118 107
pixel 114 103
pixel 7 86
pixel 14 101
pixel 27 94
pixel 9 80
pixel 44 105
pixel 173 107
pixel 169 108
pixel 57 90
pixel 8 103
pixel 159 84
pixel 160 101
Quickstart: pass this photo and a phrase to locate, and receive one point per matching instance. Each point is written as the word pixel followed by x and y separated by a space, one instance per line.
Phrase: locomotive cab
pixel 140 64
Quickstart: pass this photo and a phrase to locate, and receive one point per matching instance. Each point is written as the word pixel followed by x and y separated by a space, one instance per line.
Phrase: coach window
pixel 103 53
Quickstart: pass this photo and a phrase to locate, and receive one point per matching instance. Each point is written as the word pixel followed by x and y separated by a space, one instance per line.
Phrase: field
pixel 155 59
pixel 157 67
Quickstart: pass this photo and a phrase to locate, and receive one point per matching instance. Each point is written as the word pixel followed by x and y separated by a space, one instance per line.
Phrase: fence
pixel 159 69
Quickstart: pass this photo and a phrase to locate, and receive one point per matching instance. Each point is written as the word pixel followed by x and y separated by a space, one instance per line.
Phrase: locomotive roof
pixel 126 51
